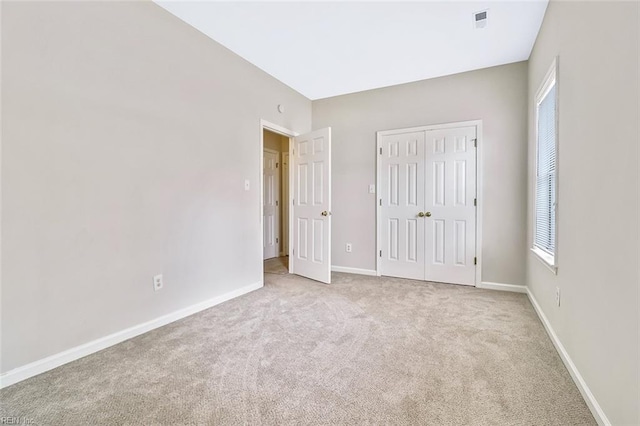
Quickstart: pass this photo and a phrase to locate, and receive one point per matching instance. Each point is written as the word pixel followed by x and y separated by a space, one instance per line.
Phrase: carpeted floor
pixel 277 265
pixel 363 350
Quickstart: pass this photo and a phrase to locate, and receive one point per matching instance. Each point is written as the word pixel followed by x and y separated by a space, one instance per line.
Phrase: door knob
pixel 420 214
pixel 428 214
pixel 325 213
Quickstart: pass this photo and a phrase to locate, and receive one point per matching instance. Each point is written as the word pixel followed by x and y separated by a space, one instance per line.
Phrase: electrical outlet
pixel 347 247
pixel 157 282
pixel 557 296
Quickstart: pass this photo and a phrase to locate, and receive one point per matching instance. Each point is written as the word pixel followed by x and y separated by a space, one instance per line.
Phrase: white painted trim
pixel 515 288
pixel 479 184
pixel 453 125
pixel 588 396
pixel 551 79
pixel 264 124
pixel 545 258
pixel 348 270
pixel 479 198
pixel 378 206
pixel 37 367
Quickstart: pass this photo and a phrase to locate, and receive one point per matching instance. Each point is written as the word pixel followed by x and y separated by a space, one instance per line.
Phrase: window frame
pixel 550 260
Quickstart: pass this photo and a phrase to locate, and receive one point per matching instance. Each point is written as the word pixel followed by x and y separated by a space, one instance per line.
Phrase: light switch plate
pixel 247 185
pixel 372 189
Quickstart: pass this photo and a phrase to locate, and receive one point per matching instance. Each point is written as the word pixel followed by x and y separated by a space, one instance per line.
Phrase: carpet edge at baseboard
pixel 514 288
pixel 587 395
pixel 357 271
pixel 53 361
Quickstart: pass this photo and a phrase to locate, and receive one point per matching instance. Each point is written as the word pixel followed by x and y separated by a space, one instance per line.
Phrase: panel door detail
pixel 311 215
pixel 270 208
pixel 402 225
pixel 449 198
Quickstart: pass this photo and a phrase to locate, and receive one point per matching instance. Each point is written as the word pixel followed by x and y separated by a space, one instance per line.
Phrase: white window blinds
pixel 545 215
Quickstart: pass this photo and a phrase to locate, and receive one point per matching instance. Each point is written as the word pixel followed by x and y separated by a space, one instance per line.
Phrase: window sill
pixel 546 259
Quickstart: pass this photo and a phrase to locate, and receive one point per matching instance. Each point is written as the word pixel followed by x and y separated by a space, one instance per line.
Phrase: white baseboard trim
pixel 515 288
pixel 358 271
pixel 37 367
pixel 591 401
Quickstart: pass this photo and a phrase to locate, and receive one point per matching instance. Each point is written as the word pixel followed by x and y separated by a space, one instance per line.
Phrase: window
pixel 544 235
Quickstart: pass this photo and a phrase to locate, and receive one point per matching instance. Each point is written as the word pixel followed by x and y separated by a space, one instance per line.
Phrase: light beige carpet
pixel 277 265
pixel 360 351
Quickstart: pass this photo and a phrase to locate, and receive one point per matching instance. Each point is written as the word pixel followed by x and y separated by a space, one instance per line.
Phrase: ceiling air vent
pixel 480 19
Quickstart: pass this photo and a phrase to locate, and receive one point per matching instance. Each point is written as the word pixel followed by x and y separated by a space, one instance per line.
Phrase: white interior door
pixel 311 213
pixel 402 204
pixel 271 179
pixel 285 203
pixel 450 205
pixel 427 210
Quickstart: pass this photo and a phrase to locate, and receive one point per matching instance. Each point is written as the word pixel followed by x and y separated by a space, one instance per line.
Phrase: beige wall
pixel 127 136
pixel 494 95
pixel 272 141
pixel 597 322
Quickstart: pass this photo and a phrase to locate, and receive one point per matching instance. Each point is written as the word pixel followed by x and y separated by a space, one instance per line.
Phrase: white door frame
pixel 479 187
pixel 266 125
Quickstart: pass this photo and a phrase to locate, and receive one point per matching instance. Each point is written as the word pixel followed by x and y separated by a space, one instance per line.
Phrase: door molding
pixel 479 185
pixel 275 128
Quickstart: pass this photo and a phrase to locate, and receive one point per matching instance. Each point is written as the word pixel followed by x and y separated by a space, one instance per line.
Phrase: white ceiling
pixel 324 49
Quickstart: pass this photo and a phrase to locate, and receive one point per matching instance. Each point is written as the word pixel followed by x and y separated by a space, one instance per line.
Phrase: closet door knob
pixel 420 214
pixel 428 214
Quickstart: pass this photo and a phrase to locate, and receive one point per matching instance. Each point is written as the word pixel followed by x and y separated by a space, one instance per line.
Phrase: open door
pixel 311 213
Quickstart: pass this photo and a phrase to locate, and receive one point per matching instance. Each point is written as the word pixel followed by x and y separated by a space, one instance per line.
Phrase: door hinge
pixel 380 150
pixel 276 165
pixel 276 203
pixel 293 202
pixel 475 260
pixel 380 201
pixel 475 143
pixel 380 253
pixel 475 201
pixel 277 241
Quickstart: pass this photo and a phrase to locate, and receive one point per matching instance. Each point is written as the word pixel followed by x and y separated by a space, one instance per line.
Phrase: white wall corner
pixel 348 270
pixel 588 396
pixel 515 288
pixel 49 363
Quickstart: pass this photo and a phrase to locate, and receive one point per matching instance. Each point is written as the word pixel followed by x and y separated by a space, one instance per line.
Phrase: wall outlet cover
pixel 157 282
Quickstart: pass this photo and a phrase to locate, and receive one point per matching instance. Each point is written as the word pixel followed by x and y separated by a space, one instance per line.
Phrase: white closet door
pixel 403 189
pixel 449 203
